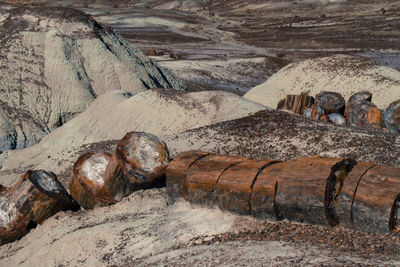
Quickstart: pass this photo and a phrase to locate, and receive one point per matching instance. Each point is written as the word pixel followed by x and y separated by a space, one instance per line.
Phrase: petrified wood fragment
pixel 297 103
pixel 359 97
pixel 176 172
pixel 363 114
pixel 203 175
pixel 331 102
pixel 35 197
pixel 139 161
pixel 86 182
pixel 391 117
pixel 375 198
pixel 234 187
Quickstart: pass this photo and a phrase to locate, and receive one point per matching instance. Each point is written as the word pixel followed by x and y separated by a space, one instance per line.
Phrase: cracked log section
pixel 317 190
pixel 35 197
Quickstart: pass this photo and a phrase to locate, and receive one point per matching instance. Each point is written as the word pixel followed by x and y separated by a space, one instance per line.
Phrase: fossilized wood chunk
pixel 35 197
pixel 297 103
pixel 340 193
pixel 333 188
pixel 139 161
pixel 359 97
pixel 375 200
pixel 331 102
pixel 337 118
pixel 86 182
pixel 315 112
pixel 203 175
pixel 391 117
pixel 363 114
pixel 176 172
pixel 234 187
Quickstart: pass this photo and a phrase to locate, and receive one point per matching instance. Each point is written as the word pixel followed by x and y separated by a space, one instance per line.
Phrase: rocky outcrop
pixel 340 73
pixel 55 62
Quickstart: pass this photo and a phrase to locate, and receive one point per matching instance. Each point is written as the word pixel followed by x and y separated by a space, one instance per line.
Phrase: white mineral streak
pixel 94 168
pixel 8 211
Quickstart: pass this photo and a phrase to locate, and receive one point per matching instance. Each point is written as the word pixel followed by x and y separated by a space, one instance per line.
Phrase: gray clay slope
pixel 54 62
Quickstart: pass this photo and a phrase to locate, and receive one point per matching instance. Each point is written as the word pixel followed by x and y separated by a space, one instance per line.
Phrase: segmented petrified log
pixel 204 174
pixel 297 103
pixel 86 182
pixel 234 187
pixel 331 102
pixel 391 117
pixel 139 161
pixel 35 197
pixel 293 190
pixel 359 97
pixel 374 205
pixel 363 114
pixel 340 191
pixel 177 170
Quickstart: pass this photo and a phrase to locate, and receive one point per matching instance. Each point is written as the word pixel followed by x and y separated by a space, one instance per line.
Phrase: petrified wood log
pixel 86 182
pixel 363 114
pixel 234 187
pixel 203 175
pixel 176 172
pixel 297 103
pixel 340 192
pixel 35 197
pixel 331 102
pixel 374 204
pixel 391 117
pixel 139 161
pixel 298 188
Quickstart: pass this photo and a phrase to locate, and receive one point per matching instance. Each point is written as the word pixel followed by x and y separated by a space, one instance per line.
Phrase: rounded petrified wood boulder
pixel 363 114
pixel 391 117
pixel 139 161
pixel 35 197
pixel 331 102
pixel 86 182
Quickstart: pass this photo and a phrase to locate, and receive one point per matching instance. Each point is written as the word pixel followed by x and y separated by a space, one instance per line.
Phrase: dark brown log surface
pixel 86 183
pixel 177 170
pixel 314 189
pixel 203 175
pixel 36 196
pixel 139 161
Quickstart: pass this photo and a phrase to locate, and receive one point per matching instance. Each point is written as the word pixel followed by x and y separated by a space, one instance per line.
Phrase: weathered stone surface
pixel 55 62
pixel 297 103
pixel 34 198
pixel 203 175
pixel 391 117
pixel 362 114
pixel 234 187
pixel 337 118
pixel 376 194
pixel 176 172
pixel 359 97
pixel 331 102
pixel 139 161
pixel 86 182
pixel 344 193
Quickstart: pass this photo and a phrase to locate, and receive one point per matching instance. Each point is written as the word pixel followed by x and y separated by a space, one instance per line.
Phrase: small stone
pixel 324 118
pixel 337 118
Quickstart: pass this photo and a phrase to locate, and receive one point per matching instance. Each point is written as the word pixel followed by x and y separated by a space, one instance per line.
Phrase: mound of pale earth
pixel 144 229
pixel 55 62
pixel 340 73
pixel 272 134
pixel 115 113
